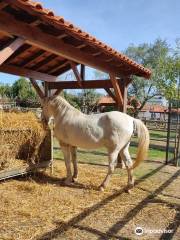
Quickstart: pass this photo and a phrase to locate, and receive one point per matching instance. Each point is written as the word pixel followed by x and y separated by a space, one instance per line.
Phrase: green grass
pixel 100 155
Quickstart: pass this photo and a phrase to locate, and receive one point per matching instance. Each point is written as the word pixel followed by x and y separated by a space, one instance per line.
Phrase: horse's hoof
pixel 127 190
pixel 101 189
pixel 75 179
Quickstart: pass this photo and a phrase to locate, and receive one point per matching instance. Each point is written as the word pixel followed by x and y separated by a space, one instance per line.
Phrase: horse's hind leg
pixel 74 162
pixel 67 158
pixel 112 163
pixel 128 163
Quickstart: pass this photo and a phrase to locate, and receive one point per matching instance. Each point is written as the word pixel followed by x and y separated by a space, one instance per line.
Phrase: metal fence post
pixel 168 132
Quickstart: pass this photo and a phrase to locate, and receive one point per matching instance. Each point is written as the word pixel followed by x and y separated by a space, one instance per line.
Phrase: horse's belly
pixel 87 142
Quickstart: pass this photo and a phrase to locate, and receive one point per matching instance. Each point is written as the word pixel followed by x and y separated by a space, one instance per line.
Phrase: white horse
pixel 112 130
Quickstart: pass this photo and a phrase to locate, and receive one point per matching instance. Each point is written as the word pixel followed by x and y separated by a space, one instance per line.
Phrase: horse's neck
pixel 63 110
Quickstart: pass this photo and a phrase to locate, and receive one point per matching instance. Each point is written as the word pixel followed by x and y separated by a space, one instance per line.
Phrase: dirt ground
pixel 40 207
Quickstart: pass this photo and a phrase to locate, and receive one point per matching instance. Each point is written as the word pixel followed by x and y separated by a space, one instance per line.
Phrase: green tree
pixel 87 100
pixel 72 99
pixel 164 64
pixel 5 91
pixel 23 90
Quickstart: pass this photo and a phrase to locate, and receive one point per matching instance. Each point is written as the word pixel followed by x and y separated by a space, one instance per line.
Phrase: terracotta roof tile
pixel 37 6
pixel 105 100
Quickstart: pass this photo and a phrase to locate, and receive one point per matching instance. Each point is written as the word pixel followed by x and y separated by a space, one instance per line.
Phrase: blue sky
pixel 120 22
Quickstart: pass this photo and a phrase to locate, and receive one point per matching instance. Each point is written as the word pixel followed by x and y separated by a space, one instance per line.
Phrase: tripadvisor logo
pixel 139 231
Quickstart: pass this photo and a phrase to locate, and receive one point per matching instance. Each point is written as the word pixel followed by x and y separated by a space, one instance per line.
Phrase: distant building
pixel 158 100
pixel 154 112
pixel 155 109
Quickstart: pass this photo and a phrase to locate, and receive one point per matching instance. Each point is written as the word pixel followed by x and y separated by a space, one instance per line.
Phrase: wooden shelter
pixel 41 46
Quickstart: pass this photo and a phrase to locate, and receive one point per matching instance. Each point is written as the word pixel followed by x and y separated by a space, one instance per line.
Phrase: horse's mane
pixel 60 104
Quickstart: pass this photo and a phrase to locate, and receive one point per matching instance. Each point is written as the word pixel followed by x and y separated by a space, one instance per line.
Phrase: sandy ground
pixel 41 207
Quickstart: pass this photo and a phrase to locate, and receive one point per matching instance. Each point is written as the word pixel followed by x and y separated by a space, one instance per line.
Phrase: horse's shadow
pixel 44 178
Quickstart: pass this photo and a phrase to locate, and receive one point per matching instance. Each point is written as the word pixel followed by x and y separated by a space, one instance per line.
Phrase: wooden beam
pixel 10 49
pixel 82 72
pixel 117 91
pixel 84 85
pixel 96 54
pixel 19 71
pixel 111 94
pixel 37 88
pixel 76 72
pixel 49 43
pixel 3 4
pixel 81 45
pixel 18 52
pixel 62 35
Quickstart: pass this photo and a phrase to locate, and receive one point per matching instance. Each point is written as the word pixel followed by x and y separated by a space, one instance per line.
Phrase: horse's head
pixel 47 110
pixel 45 114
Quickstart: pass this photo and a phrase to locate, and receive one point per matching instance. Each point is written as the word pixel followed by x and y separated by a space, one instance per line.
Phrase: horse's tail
pixel 143 145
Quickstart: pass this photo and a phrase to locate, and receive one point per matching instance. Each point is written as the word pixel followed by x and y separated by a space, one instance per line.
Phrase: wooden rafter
pixel 21 50
pixel 32 58
pixel 117 91
pixel 85 84
pixel 45 61
pixel 3 4
pixel 51 44
pixel 27 73
pixel 57 66
pixel 10 49
pixel 76 73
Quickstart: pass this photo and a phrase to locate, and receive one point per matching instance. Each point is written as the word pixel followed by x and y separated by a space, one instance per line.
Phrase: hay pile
pixel 42 207
pixel 22 140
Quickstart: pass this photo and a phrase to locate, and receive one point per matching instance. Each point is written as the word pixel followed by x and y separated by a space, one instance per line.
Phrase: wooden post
pixel 124 88
pixel 82 72
pixel 51 127
pixel 46 89
pixel 117 91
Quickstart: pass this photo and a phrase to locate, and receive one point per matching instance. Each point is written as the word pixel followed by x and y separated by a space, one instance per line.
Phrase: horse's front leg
pixel 112 164
pixel 67 159
pixel 74 161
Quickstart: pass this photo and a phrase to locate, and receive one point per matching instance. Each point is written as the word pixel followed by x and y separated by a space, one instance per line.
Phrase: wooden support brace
pixel 117 91
pixel 10 49
pixel 108 90
pixel 37 88
pixel 76 73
